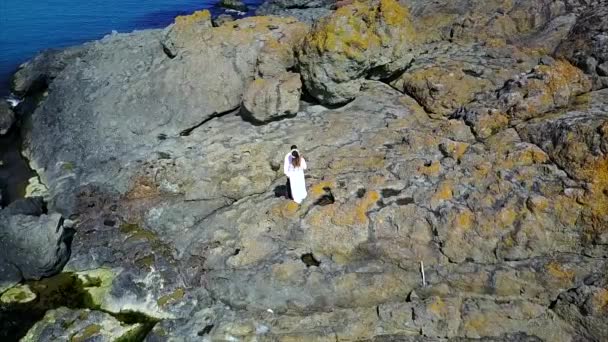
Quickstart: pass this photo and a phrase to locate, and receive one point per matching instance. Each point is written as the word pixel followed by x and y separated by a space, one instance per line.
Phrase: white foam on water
pixel 13 100
pixel 235 12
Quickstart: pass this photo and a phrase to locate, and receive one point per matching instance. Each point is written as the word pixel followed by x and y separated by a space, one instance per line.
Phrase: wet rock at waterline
pixel 236 5
pixel 7 117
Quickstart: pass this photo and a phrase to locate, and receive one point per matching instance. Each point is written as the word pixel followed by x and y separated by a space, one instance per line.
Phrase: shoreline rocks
pixel 7 117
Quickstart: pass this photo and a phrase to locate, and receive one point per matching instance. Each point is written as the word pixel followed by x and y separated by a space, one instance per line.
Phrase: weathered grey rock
pixel 222 19
pixel 9 275
pixel 185 30
pixel 236 5
pixel 37 73
pixel 495 20
pixel 501 194
pixel 38 246
pixel 65 324
pixel 586 306
pixel 307 11
pixel 7 117
pixel 446 76
pixel 267 99
pixel 135 103
pixel 587 44
pixel 361 40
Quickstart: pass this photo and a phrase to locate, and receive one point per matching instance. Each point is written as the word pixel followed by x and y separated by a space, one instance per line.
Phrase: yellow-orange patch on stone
pixel 431 170
pixel 559 272
pixel 444 191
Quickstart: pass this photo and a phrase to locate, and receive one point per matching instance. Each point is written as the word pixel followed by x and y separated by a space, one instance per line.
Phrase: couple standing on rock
pixel 294 167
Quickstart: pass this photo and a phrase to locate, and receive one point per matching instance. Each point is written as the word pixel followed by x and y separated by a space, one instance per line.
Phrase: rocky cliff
pixel 467 136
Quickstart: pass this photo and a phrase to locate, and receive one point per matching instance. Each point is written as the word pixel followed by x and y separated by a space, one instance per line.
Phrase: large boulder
pixel 587 44
pixel 36 244
pixel 184 30
pixel 267 99
pixel 362 40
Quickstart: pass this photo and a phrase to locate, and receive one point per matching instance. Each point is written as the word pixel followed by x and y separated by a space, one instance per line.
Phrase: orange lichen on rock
pixel 285 209
pixel 463 220
pixel 558 272
pixel 444 191
pixel 432 170
pixel 600 300
pixel 318 189
pixel 355 28
pixel 437 307
pixel 143 187
pixel 198 17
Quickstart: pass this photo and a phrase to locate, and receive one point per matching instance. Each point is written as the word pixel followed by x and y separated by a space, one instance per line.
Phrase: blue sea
pixel 29 26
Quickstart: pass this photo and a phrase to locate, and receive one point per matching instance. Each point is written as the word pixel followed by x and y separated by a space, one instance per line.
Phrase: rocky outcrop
pixel 65 324
pixel 477 155
pixel 207 78
pixel 33 243
pixel 496 20
pixel 307 11
pixel 185 29
pixel 587 45
pixel 39 72
pixel 7 117
pixel 357 41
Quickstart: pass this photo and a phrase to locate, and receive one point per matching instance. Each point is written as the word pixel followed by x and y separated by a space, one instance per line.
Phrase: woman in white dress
pixel 294 169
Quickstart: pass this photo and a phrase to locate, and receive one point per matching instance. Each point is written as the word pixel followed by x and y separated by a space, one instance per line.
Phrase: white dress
pixel 296 178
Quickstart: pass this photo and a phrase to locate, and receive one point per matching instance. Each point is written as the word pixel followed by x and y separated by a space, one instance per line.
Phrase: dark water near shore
pixel 29 26
pixel 14 171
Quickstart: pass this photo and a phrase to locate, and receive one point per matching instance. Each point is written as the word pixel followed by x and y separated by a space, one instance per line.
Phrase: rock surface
pixel 64 324
pixel 32 243
pixel 478 152
pixel 7 117
pixel 360 40
pixel 307 11
pixel 587 45
pixel 236 5
pixel 267 99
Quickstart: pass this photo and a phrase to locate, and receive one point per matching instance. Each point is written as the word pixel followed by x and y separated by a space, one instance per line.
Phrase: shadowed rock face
pixel 587 45
pixel 485 159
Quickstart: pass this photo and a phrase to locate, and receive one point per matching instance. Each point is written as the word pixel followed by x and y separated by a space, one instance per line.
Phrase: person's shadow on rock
pixel 283 190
